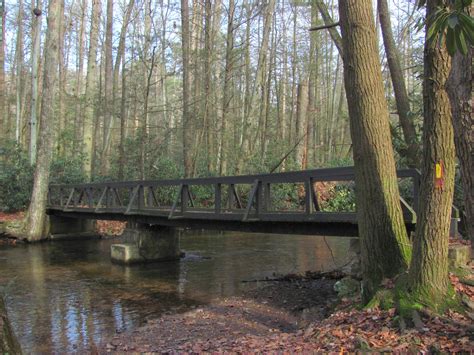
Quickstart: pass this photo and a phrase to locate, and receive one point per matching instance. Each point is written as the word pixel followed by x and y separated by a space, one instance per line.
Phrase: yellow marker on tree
pixel 439 172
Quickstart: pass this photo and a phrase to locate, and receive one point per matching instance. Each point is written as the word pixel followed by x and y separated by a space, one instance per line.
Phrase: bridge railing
pixel 244 198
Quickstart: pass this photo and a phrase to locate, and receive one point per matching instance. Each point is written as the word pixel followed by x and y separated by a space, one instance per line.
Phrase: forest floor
pixel 296 314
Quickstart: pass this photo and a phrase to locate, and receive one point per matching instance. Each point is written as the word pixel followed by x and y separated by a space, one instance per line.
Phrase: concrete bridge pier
pixel 143 243
pixel 65 228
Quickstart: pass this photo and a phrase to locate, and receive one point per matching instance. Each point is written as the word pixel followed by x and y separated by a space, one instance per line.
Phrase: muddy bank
pixel 277 308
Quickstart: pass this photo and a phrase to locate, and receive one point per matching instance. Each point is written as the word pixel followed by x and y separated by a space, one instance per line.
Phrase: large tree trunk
pixel 187 129
pixel 429 265
pixel 384 241
pixel 460 95
pixel 35 222
pixel 36 32
pixel 90 86
pixel 401 96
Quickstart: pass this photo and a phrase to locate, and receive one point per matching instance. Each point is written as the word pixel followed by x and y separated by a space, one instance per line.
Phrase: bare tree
pixel 35 220
pixel 90 88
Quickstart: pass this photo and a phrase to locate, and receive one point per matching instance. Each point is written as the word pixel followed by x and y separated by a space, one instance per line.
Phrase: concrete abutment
pixel 65 228
pixel 143 243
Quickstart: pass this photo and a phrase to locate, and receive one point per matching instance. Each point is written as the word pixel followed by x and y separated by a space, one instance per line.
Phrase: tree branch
pixel 323 27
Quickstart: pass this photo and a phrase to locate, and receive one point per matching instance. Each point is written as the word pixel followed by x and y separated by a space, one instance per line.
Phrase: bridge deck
pixel 244 203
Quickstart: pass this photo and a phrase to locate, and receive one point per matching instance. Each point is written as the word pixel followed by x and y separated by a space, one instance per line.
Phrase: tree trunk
pixel 187 129
pixel 3 106
pixel 228 89
pixel 429 265
pixel 300 124
pixel 413 153
pixel 384 242
pixel 36 31
pixel 19 71
pixel 78 124
pixel 90 86
pixel 123 117
pixel 108 83
pixel 62 81
pixel 207 82
pixel 335 36
pixel 260 83
pixel 460 94
pixel 35 222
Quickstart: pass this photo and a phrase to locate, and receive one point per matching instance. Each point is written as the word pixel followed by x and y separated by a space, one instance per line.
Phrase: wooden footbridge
pixel 288 202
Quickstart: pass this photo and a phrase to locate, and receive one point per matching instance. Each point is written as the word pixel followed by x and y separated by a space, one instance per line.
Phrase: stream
pixel 63 297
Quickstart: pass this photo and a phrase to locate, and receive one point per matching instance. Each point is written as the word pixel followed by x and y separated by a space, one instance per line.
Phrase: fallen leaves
pixel 110 228
pixel 242 325
pixel 10 217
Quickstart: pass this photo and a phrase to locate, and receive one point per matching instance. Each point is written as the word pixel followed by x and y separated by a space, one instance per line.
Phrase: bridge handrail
pixel 140 196
pixel 324 174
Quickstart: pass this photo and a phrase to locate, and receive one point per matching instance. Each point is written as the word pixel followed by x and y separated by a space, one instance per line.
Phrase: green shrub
pixel 342 199
pixel 67 170
pixel 16 178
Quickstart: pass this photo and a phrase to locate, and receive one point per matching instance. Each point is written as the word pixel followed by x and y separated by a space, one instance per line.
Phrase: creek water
pixel 63 297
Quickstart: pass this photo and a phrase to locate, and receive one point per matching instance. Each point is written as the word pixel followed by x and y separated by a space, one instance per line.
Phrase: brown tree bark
pixel 460 95
pixel 35 220
pixel 187 129
pixel 384 241
pixel 3 113
pixel 227 95
pixel 335 36
pixel 312 83
pixel 429 266
pixel 413 152
pixel 91 81
pixel 62 24
pixel 19 73
pixel 35 54
pixel 300 124
pixel 78 124
pixel 108 88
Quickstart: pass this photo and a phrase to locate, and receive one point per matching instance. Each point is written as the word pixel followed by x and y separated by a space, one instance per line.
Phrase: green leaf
pixel 467 26
pixel 453 21
pixel 451 41
pixel 461 41
pixel 438 25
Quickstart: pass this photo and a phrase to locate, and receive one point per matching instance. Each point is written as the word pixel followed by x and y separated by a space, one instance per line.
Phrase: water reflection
pixel 67 295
